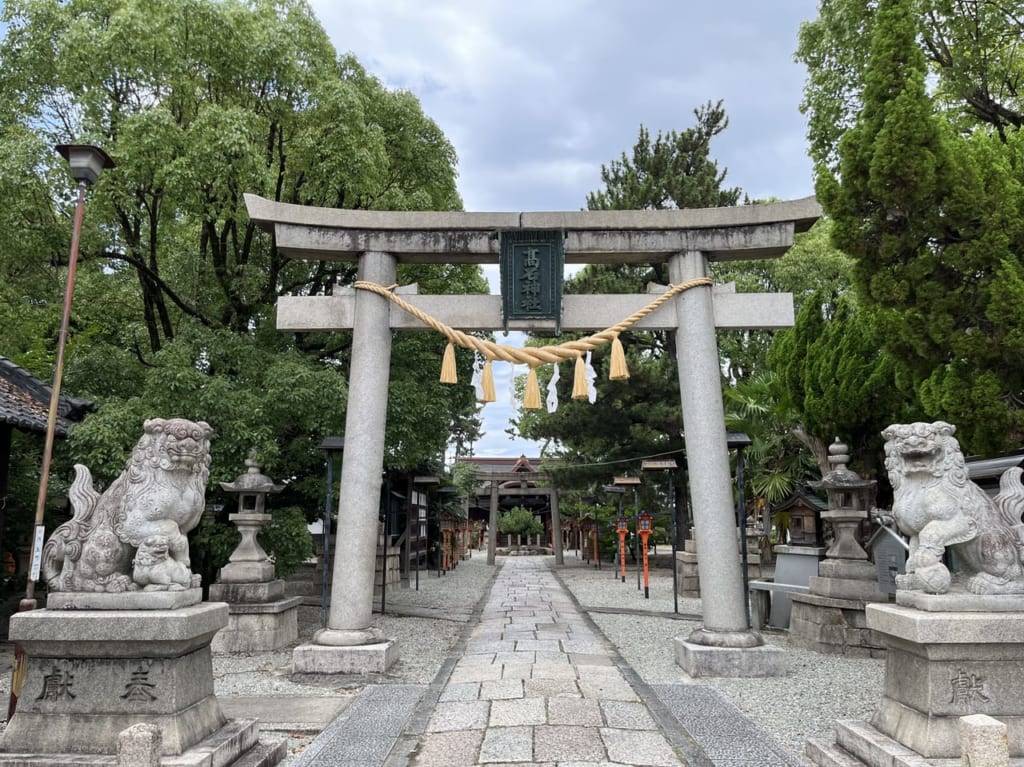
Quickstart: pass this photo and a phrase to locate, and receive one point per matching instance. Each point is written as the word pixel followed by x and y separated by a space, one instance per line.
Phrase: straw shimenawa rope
pixel 531 355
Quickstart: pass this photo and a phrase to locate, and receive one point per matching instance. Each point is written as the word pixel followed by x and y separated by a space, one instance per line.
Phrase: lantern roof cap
pixel 841 475
pixel 253 481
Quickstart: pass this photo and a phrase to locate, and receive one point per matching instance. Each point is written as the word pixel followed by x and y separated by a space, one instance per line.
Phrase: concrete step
pixel 825 754
pixel 858 744
pixel 263 754
pixel 873 748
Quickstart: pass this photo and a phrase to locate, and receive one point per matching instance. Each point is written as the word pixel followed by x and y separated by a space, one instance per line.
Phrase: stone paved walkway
pixel 538 684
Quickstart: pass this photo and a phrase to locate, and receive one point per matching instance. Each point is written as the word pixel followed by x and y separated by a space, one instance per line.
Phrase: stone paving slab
pixel 727 735
pixel 507 744
pixel 561 742
pixel 348 740
pixel 459 715
pixel 449 749
pixel 575 711
pixel 626 715
pixel 646 747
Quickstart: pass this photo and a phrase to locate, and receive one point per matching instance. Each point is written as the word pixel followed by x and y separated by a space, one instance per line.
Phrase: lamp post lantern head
pixel 626 481
pixel 645 523
pixel 622 524
pixel 86 161
pixel 737 440
pixel 332 444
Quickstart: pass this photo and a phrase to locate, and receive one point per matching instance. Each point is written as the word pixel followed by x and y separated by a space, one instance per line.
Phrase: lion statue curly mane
pixel 940 508
pixel 114 540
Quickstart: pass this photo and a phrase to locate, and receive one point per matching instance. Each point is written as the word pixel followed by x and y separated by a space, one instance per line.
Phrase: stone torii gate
pixel 686 239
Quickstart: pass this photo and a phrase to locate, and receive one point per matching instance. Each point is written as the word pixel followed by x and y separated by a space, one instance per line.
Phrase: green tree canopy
pixel 935 220
pixel 970 51
pixel 200 102
pixel 519 521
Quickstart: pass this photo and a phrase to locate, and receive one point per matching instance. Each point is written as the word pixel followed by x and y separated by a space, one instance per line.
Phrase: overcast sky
pixel 536 95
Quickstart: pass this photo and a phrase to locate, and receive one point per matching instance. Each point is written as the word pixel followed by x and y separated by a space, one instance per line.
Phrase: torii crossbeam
pixel 687 240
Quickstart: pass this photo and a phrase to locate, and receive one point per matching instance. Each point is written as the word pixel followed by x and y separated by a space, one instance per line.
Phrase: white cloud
pixel 536 95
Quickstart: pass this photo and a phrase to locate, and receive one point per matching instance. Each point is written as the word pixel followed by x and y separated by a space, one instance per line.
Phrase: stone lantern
pixel 830 618
pixel 260 616
pixel 249 563
pixel 849 499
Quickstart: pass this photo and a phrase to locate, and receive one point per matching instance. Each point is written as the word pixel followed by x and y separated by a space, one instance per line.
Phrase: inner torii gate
pixel 686 239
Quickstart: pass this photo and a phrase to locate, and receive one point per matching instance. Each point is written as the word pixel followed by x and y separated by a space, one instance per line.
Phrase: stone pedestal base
pixel 260 617
pixel 91 674
pixel 259 627
pixel 687 573
pixel 832 626
pixel 794 566
pixel 702 660
pixel 348 659
pixel 944 665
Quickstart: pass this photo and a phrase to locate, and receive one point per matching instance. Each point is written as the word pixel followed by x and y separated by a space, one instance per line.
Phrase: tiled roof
pixel 25 402
pixel 502 464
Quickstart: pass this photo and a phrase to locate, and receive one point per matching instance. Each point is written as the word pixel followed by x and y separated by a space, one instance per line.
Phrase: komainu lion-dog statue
pixel 132 537
pixel 940 508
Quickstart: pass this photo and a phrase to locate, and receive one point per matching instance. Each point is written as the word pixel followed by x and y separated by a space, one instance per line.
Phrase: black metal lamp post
pixel 668 465
pixel 738 441
pixel 332 446
pixel 621 527
pixel 424 481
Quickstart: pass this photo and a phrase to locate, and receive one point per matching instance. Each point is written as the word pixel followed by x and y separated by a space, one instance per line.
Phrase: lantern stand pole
pixel 668 465
pixel 739 441
pixel 86 162
pixel 670 502
pixel 636 543
pixel 331 446
pixel 386 543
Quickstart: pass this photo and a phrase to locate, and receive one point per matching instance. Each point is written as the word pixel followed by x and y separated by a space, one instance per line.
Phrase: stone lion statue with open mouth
pixel 940 508
pixel 132 536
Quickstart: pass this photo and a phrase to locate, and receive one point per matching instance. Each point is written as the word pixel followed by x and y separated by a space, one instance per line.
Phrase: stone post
pixel 724 645
pixel 983 742
pixel 355 553
pixel 140 746
pixel 492 524
pixel 556 528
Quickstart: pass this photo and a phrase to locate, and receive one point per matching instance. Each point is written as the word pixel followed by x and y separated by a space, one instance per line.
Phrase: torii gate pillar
pixel 349 644
pixel 724 645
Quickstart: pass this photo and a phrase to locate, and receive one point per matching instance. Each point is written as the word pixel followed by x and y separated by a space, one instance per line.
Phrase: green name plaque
pixel 532 262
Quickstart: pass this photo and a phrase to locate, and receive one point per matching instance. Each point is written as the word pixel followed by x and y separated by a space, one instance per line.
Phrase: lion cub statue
pixel 939 508
pixel 132 537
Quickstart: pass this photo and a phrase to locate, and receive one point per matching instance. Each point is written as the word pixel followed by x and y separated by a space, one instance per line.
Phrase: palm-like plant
pixel 776 462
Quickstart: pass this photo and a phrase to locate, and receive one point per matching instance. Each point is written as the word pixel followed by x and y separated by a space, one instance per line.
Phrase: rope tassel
pixel 579 379
pixel 487 383
pixel 531 399
pixel 448 373
pixel 619 371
